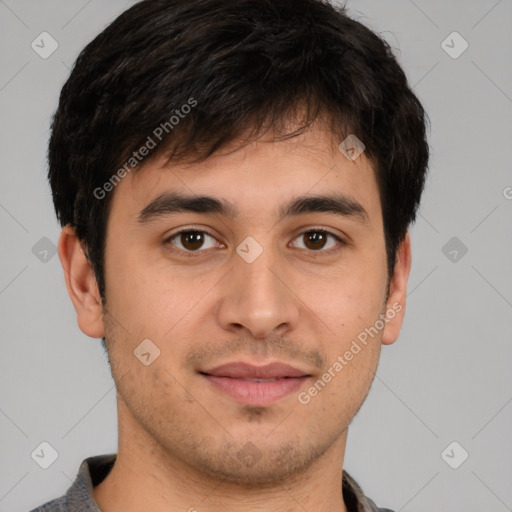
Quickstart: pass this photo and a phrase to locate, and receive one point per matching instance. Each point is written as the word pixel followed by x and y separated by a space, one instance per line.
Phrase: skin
pixel 180 438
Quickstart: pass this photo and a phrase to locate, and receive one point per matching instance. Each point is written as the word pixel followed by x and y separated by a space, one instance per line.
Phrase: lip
pixel 241 370
pixel 256 385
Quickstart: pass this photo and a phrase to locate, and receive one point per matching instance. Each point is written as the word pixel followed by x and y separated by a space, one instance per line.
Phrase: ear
pixel 395 305
pixel 81 284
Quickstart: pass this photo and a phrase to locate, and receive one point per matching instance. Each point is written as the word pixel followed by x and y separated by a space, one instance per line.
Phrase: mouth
pixel 256 385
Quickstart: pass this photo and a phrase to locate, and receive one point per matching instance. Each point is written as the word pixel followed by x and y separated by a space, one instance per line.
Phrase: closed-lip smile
pixel 256 385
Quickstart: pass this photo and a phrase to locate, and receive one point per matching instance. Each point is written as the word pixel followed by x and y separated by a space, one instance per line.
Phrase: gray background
pixel 448 377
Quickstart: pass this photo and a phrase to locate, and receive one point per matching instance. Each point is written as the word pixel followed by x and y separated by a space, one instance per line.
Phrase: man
pixel 235 181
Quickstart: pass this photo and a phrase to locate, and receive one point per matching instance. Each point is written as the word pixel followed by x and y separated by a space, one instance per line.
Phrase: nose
pixel 259 298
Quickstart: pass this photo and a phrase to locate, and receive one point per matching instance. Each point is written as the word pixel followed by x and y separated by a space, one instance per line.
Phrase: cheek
pixel 144 296
pixel 352 302
pixel 351 307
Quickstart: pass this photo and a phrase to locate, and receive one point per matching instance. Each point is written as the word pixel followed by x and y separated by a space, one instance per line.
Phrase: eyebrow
pixel 172 203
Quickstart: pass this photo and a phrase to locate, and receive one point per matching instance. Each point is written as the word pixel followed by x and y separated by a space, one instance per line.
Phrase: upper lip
pixel 241 370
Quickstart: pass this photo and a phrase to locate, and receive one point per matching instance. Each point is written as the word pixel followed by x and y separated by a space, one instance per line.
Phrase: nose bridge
pixel 257 298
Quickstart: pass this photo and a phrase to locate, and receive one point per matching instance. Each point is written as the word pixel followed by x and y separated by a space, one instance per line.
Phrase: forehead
pixel 258 178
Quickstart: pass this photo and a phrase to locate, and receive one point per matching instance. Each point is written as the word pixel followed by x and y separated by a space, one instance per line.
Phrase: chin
pixel 250 465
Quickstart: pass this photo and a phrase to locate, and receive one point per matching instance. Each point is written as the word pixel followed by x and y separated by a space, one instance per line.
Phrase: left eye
pixel 317 239
pixel 193 240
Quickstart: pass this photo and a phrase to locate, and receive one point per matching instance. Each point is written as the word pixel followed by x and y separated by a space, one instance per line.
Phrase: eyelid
pixel 318 229
pixel 188 229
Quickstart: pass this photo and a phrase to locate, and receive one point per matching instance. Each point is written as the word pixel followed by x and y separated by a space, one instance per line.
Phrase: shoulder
pixel 372 507
pixel 355 499
pixel 56 505
pixel 79 497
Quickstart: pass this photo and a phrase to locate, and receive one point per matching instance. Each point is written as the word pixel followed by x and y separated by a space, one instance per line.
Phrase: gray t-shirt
pixel 79 497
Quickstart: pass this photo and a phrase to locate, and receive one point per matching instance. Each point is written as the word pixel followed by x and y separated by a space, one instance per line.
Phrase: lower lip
pixel 257 393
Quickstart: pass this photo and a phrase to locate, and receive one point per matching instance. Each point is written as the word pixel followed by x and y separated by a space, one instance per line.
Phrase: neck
pixel 145 477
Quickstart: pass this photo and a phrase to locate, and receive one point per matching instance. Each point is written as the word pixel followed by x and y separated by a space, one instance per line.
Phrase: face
pixel 262 319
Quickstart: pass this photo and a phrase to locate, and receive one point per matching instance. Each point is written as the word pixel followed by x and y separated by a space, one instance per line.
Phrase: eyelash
pixel 197 253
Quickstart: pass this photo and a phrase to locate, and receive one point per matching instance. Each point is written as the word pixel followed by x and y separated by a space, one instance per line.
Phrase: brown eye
pixel 192 240
pixel 316 240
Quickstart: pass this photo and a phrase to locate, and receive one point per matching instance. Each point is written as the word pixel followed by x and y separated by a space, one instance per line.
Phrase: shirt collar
pixel 94 469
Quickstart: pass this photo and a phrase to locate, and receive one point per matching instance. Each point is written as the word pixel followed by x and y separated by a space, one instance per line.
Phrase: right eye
pixel 191 240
